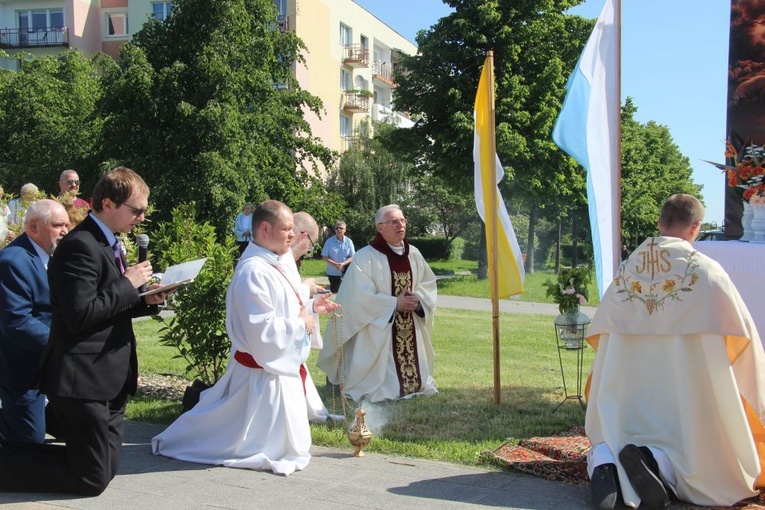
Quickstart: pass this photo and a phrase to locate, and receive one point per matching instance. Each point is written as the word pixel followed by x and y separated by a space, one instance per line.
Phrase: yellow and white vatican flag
pixel 503 253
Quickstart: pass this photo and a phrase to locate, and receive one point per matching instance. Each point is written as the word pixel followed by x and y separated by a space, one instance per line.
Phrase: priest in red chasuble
pixel 381 347
pixel 676 397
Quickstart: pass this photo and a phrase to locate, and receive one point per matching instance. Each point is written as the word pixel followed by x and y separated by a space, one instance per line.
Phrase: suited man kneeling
pixel 89 366
pixel 26 309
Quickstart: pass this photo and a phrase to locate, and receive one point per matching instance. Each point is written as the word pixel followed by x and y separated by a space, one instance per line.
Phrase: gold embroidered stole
pixel 404 336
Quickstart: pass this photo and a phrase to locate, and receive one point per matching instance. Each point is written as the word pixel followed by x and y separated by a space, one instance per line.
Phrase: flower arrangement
pixel 570 290
pixel 747 172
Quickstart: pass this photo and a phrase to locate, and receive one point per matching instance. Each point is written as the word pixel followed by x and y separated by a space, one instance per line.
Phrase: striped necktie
pixel 118 255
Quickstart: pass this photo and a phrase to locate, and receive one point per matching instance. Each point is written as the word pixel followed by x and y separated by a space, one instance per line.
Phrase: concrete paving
pixel 333 479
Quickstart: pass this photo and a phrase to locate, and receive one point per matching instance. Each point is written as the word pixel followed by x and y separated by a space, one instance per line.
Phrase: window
pixel 116 24
pixel 364 43
pixel 41 27
pixel 41 19
pixel 346 128
pixel 345 80
pixel 346 35
pixel 161 10
pixel 56 17
pixel 281 8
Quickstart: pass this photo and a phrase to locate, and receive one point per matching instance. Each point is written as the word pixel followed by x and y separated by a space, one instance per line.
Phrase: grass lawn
pixel 461 420
pixel 464 282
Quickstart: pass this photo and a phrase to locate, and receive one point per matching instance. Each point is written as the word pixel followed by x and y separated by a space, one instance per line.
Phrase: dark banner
pixel 746 93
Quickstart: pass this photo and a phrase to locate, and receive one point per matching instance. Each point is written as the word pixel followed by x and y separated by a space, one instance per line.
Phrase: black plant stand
pixel 570 330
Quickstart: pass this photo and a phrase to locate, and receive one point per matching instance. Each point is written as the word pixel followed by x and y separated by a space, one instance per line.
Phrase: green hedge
pixel 432 248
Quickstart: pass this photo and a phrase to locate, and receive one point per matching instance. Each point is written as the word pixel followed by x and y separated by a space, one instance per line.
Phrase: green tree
pixel 447 207
pixel 205 106
pixel 49 120
pixel 197 329
pixel 368 177
pixel 653 168
pixel 535 47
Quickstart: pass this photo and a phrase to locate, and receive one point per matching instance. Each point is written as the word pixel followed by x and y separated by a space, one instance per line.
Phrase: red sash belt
pixel 246 359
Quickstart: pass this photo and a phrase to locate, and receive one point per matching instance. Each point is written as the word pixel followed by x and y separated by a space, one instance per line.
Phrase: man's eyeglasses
pixel 397 222
pixel 72 181
pixel 136 211
pixel 309 238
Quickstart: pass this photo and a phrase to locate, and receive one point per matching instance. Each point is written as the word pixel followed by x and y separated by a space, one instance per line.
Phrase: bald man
pixel 69 183
pixel 26 309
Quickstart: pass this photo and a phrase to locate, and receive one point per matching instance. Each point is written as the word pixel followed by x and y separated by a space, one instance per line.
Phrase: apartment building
pixel 349 65
pixel 350 59
pixel 45 27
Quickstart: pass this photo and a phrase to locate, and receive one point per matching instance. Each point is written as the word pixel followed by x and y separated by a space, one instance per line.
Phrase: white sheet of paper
pixel 177 275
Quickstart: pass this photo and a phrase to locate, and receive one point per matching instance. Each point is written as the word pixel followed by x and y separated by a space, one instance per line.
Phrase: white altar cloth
pixel 745 264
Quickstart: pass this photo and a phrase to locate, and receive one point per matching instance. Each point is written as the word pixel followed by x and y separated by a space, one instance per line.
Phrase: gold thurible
pixel 359 434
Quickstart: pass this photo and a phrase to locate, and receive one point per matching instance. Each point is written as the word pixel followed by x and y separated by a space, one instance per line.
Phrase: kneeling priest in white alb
pixel 255 416
pixel 677 391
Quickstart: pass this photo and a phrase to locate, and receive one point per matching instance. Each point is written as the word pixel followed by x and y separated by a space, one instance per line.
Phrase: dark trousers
pixel 92 431
pixel 22 416
pixel 334 283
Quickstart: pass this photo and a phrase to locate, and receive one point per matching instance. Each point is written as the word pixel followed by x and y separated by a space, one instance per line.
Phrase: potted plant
pixel 569 292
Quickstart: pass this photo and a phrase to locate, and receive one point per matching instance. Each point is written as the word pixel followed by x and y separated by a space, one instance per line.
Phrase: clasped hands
pixel 407 301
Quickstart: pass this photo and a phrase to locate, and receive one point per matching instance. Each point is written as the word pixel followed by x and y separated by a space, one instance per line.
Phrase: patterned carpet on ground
pixel 563 458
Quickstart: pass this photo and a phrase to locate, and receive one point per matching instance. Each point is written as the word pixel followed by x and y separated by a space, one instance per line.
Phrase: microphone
pixel 142 240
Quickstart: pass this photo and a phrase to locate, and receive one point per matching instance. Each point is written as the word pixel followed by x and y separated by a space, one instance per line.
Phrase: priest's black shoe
pixel 643 474
pixel 604 486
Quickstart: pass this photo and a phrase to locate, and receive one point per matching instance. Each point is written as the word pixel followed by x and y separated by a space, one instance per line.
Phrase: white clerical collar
pixel 398 250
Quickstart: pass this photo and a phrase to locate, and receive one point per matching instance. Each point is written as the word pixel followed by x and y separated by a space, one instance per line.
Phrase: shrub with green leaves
pixel 198 327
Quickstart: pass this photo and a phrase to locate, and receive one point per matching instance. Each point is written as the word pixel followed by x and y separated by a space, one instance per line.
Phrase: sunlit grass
pixel 462 419
pixel 463 280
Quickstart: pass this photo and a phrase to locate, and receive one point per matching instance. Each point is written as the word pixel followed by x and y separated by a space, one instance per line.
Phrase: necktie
pixel 118 256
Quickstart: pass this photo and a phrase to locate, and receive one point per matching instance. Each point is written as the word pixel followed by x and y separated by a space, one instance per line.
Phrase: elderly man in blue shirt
pixel 338 253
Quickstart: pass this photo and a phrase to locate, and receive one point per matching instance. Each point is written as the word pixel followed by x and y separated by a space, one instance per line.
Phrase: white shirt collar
pixel 44 257
pixel 110 237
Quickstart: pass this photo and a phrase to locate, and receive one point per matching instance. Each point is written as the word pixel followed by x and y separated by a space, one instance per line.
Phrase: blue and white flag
pixel 588 130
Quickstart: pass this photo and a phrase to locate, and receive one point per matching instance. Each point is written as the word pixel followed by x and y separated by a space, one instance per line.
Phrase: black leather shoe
pixel 604 486
pixel 644 480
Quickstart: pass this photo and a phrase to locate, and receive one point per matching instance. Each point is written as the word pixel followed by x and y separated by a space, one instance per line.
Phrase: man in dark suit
pixel 25 325
pixel 89 366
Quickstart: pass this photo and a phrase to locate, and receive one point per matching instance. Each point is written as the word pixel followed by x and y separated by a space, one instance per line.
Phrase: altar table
pixel 745 264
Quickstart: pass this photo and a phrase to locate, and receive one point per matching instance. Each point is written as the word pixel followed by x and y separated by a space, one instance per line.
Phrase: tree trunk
pixel 574 242
pixel 529 265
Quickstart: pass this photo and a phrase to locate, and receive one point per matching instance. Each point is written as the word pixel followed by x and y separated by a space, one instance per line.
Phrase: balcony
pixel 349 142
pixel 381 113
pixel 356 101
pixel 383 72
pixel 12 38
pixel 355 55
